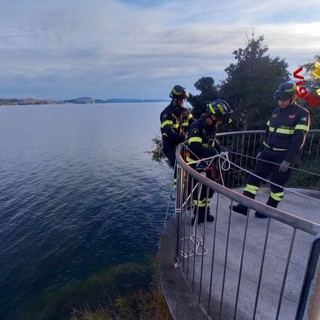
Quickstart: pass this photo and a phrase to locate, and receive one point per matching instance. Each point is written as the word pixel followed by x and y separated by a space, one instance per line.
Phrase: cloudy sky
pixel 65 49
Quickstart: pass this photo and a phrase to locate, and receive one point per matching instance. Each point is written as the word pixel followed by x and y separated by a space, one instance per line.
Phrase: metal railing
pixel 239 267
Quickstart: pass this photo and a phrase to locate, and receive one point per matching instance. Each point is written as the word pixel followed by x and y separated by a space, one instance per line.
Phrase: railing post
pixel 309 304
pixel 178 210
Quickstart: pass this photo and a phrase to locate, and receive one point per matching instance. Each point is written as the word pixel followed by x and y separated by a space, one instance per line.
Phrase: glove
pixel 258 155
pixel 284 165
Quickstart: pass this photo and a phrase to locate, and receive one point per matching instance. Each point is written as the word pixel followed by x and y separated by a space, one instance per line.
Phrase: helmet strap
pixel 293 99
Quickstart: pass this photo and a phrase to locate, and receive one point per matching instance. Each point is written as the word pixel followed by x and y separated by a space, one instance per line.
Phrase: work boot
pixel 200 216
pixel 210 217
pixel 260 215
pixel 240 209
pixel 189 206
pixel 272 203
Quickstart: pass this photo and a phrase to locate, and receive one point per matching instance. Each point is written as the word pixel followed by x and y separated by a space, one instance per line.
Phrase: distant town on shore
pixel 83 100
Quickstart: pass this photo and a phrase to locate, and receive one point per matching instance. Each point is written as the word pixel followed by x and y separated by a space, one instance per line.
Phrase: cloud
pixel 67 47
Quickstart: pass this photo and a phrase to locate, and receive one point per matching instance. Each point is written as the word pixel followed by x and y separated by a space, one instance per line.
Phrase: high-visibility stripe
pixel 202 203
pixel 198 204
pixel 302 127
pixel 251 188
pixel 167 122
pixel 211 109
pixel 289 130
pixel 275 149
pixel 277 196
pixel 285 131
pixel 175 126
pixel 282 130
pixel 194 139
pixel 279 149
pixel 221 109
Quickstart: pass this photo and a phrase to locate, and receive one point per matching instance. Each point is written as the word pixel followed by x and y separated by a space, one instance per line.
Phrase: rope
pixel 196 239
pixel 167 214
pixel 224 155
pixel 170 196
pixel 267 161
pixel 270 182
pixel 224 165
pixel 198 244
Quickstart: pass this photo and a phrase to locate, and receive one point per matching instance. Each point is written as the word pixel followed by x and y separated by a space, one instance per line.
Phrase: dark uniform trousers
pixel 175 121
pixel 267 166
pixel 201 194
pixel 201 144
pixel 169 149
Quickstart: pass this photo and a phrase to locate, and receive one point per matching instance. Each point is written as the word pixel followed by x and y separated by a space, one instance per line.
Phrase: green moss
pixel 121 292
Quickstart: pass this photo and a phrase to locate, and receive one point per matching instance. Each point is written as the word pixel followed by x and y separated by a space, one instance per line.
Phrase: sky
pixel 140 49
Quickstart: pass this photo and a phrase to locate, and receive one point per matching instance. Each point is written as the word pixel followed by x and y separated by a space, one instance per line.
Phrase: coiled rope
pixel 197 240
pixel 198 243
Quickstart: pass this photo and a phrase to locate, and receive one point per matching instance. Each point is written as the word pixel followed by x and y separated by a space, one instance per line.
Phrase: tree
pixel 208 93
pixel 251 83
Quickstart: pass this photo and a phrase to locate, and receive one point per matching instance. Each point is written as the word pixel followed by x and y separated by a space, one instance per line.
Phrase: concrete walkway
pixel 185 305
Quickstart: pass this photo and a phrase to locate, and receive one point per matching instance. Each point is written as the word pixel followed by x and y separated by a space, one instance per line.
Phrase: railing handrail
pixel 232 133
pixel 277 214
pixel 228 261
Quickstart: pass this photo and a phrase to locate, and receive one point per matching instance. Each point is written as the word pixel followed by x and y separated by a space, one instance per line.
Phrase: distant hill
pixel 82 100
pixel 27 101
pixel 130 100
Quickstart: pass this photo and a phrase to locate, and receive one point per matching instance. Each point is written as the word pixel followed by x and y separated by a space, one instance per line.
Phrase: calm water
pixel 78 194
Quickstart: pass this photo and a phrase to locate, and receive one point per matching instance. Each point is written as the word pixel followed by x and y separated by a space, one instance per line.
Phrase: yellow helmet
pixel 179 92
pixel 285 91
pixel 221 110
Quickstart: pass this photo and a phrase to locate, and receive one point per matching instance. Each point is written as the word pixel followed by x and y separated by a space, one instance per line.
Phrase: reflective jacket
pixel 286 130
pixel 174 123
pixel 201 140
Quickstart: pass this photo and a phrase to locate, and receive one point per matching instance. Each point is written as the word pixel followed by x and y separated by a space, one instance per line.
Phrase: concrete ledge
pixel 185 305
pixel 181 302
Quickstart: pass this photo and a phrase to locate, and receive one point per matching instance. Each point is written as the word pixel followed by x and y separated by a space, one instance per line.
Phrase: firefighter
pixel 202 144
pixel 285 135
pixel 175 120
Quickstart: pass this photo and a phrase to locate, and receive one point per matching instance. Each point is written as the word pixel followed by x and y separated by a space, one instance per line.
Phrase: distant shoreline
pixel 83 100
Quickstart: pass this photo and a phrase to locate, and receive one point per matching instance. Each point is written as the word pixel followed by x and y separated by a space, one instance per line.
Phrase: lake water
pixel 78 194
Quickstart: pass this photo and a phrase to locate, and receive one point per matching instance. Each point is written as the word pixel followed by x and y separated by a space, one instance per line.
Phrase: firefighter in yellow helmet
pixel 202 144
pixel 175 120
pixel 284 137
